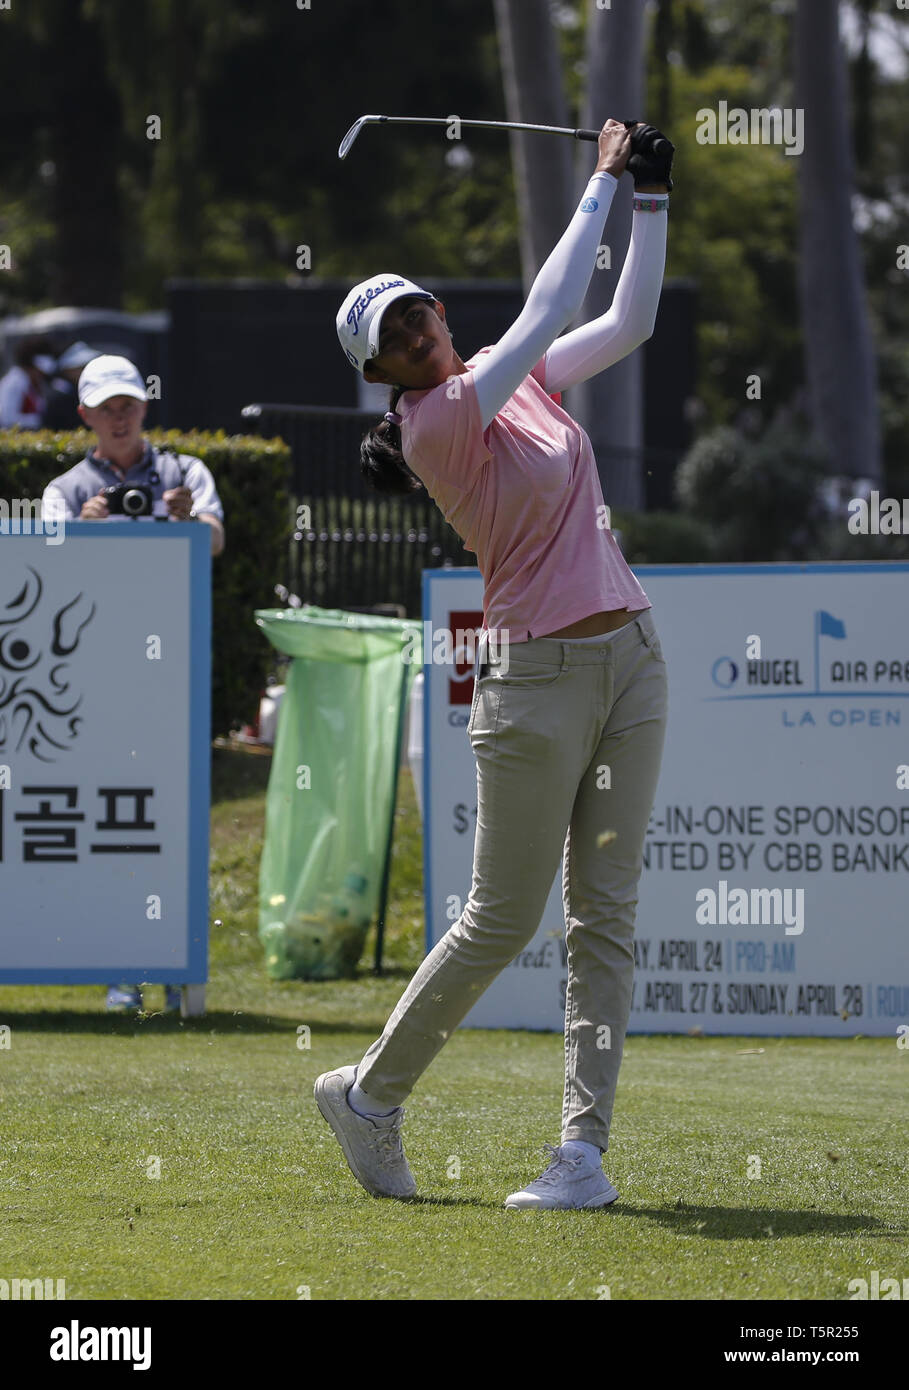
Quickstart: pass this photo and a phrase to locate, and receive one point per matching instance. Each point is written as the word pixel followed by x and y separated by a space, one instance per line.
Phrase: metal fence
pixel 352 548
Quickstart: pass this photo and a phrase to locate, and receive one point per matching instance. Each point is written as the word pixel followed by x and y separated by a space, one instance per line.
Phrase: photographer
pixel 123 476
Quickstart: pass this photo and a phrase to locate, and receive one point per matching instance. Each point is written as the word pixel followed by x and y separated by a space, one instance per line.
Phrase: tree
pixel 840 364
pixel 161 57
pixel 532 78
pixel 73 132
pixel 610 405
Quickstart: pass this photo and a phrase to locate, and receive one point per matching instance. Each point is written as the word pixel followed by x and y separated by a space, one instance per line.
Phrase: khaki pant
pixel 544 726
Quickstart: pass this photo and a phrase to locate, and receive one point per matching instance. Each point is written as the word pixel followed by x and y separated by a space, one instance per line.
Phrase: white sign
pixel 104 754
pixel 774 897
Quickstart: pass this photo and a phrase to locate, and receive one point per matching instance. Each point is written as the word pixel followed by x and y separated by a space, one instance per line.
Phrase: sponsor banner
pixel 104 754
pixel 775 882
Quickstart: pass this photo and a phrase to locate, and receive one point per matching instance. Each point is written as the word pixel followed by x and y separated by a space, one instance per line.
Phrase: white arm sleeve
pixel 554 300
pixel 631 317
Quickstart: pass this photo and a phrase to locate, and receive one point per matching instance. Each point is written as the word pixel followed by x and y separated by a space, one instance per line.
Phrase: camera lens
pixel 133 502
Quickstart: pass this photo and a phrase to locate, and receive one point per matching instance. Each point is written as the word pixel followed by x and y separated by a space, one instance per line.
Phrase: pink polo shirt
pixel 524 496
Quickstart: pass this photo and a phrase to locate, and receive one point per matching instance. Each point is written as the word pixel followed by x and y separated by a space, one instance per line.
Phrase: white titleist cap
pixel 107 376
pixel 359 318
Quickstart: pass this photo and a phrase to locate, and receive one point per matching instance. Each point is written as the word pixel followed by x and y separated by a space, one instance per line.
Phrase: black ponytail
pixel 381 461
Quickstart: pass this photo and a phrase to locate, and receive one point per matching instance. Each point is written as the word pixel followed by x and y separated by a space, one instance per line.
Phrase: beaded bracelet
pixel 642 204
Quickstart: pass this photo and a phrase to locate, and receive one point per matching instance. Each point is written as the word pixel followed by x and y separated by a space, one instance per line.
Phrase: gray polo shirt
pixel 157 469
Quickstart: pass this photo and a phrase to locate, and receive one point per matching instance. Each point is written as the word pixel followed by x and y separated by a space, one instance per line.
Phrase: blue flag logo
pixel 827 625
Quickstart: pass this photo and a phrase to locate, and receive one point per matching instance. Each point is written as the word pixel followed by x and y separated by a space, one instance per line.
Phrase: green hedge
pixel 251 476
pixel 758 494
pixel 663 538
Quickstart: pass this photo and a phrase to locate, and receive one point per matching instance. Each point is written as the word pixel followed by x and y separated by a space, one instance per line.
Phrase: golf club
pixel 350 137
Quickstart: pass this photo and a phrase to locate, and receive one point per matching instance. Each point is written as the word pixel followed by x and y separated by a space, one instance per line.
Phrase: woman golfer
pixel 570 696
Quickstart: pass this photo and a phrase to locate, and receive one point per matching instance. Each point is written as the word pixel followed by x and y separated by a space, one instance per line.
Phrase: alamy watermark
pixel 871 516
pixel 24 516
pixel 759 126
pixel 19 1290
pixel 443 646
pixel 84 1343
pixel 763 907
pixel 877 1288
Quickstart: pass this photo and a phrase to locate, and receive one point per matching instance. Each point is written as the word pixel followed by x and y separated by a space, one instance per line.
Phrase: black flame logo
pixel 37 710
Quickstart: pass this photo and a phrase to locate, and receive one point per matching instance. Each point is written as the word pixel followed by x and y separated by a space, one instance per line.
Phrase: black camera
pixel 128 499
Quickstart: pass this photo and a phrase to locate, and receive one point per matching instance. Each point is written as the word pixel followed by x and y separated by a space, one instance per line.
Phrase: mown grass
pixel 254 1200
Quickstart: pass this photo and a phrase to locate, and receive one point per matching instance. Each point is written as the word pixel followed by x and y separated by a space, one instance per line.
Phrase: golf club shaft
pixel 354 131
pixel 495 125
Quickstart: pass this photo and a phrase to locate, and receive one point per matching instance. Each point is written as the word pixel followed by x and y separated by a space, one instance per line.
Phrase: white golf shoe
pixel 569 1182
pixel 371 1144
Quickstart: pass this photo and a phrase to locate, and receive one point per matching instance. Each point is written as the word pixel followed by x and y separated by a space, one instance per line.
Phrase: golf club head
pixel 350 137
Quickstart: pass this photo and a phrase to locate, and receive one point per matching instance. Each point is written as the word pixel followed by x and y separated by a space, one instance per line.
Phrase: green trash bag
pixel 329 805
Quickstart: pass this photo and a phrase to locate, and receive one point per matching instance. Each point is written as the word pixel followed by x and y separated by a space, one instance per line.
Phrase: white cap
pixel 359 318
pixel 107 376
